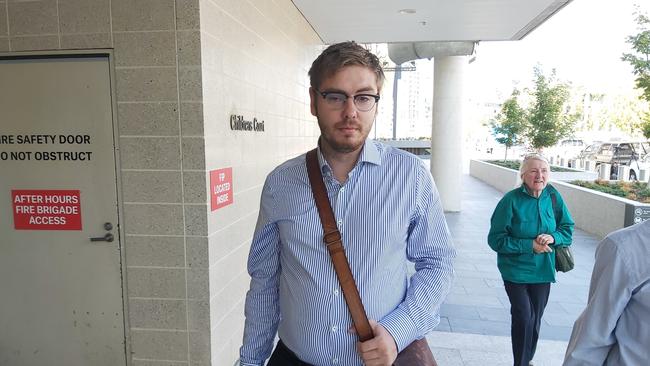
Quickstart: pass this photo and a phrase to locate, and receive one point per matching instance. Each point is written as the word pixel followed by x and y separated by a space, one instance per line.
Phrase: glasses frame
pixel 324 94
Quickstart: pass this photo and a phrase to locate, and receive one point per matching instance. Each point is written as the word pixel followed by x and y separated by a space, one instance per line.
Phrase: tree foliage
pixel 627 112
pixel 548 118
pixel 508 126
pixel 640 61
pixel 645 127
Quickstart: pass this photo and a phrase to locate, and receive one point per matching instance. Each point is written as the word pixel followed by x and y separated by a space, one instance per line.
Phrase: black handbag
pixel 563 256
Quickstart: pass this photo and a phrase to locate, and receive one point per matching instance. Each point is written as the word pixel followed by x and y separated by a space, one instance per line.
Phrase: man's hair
pixel 339 55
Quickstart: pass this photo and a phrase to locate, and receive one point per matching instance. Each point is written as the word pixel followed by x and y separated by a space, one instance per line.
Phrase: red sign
pixel 46 209
pixel 220 188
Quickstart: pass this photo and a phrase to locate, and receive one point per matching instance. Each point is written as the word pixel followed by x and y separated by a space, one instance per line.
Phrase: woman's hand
pixel 540 244
pixel 545 239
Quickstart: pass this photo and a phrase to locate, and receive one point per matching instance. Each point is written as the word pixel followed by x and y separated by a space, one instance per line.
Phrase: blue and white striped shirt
pixel 388 212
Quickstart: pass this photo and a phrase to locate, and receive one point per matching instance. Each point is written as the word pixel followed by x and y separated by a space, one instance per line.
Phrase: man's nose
pixel 350 109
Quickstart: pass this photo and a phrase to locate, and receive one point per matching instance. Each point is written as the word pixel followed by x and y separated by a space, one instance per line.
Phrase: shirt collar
pixel 525 191
pixel 369 154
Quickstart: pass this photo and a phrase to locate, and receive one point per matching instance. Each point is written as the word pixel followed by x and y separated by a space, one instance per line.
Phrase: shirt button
pixel 336 292
pixel 340 222
pixel 342 189
pixel 334 329
pixel 335 361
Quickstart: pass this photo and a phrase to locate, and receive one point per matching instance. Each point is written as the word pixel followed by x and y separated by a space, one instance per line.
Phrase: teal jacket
pixel 517 220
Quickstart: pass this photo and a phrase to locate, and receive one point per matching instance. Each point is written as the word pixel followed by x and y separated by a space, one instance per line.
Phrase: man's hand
pixel 379 351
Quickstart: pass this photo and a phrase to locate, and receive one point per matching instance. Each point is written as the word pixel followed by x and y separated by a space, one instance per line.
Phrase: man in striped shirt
pixel 388 211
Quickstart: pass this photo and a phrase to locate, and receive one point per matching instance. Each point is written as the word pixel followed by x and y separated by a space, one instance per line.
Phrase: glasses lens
pixel 335 99
pixel 364 102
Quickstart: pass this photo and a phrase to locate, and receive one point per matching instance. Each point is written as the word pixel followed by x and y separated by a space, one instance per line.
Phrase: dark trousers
pixel 283 356
pixel 527 303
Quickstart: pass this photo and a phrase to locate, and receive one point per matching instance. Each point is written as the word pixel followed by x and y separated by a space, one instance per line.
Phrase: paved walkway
pixel 477 310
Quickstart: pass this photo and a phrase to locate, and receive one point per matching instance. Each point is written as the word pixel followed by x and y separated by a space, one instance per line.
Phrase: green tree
pixel 509 124
pixel 640 61
pixel 645 127
pixel 627 112
pixel 548 117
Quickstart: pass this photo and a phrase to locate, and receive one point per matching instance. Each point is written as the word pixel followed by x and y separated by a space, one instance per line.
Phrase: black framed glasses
pixel 363 102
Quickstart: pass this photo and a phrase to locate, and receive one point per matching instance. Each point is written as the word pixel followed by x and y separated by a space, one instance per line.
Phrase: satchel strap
pixel 554 204
pixel 334 244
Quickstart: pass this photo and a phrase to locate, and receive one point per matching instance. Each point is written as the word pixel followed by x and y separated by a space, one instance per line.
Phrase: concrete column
pixel 446 135
pixel 604 171
pixel 643 175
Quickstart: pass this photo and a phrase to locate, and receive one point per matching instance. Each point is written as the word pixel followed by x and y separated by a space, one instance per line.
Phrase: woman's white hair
pixel 523 167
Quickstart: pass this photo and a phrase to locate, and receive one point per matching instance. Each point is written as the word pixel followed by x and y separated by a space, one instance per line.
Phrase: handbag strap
pixel 554 204
pixel 334 244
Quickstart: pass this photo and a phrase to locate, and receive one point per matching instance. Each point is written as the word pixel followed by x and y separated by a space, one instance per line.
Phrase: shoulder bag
pixel 417 353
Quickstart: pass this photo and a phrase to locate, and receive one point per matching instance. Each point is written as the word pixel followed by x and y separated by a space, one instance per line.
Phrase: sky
pixel 584 42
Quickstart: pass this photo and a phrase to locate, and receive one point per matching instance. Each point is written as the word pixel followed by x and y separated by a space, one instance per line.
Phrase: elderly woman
pixel 525 227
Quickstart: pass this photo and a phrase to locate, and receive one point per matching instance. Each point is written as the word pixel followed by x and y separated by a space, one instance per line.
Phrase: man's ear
pixel 313 97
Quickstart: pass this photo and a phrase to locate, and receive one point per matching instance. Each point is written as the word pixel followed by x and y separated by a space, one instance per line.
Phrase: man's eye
pixel 335 98
pixel 363 98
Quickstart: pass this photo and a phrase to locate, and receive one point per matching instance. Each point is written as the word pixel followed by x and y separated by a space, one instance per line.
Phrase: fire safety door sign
pixel 220 188
pixel 46 209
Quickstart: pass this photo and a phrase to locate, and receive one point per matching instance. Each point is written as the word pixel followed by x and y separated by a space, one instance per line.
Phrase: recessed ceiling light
pixel 407 11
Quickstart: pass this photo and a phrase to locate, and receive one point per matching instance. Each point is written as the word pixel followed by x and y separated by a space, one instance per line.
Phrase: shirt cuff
pixel 400 325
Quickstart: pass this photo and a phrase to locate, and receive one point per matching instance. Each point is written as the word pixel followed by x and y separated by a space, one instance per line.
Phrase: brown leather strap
pixel 332 239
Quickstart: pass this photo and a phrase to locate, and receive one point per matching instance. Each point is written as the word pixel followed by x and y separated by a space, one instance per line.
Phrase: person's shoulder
pixel 292 168
pixel 631 235
pixel 513 194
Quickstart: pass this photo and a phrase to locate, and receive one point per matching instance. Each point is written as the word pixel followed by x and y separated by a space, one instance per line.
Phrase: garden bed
pixel 636 191
pixel 514 165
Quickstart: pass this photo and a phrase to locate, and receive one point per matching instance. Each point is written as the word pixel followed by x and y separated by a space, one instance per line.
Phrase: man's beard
pixel 345 146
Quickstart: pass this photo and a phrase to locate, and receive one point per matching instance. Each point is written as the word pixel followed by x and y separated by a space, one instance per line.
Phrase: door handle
pixel 108 237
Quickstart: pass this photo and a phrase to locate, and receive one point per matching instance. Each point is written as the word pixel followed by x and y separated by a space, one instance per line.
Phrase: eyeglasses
pixel 363 102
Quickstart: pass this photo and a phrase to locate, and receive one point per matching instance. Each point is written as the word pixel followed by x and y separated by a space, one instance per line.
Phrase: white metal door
pixel 61 299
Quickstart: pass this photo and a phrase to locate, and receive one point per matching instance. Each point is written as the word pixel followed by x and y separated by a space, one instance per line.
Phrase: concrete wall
pixel 156 52
pixel 182 68
pixel 505 179
pixel 501 178
pixel 594 212
pixel 255 56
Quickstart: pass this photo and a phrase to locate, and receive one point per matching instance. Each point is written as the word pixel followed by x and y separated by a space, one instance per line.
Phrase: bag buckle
pixel 332 237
